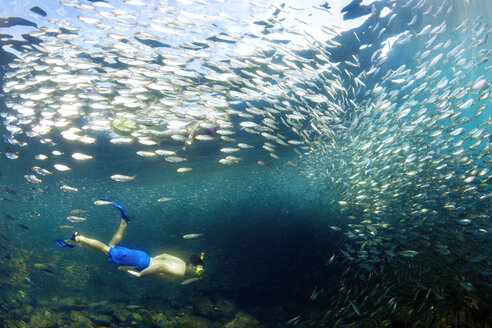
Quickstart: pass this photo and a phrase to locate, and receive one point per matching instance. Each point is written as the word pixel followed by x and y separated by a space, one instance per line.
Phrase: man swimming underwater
pixel 138 263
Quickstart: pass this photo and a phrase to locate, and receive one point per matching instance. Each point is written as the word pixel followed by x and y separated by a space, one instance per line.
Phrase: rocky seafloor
pixel 71 313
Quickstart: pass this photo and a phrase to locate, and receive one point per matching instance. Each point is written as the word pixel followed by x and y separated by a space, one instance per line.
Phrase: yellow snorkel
pixel 199 268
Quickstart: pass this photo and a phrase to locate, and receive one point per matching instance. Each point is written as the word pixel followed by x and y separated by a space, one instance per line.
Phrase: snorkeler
pixel 138 263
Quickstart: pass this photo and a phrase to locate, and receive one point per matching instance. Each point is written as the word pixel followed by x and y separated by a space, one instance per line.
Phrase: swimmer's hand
pixel 135 273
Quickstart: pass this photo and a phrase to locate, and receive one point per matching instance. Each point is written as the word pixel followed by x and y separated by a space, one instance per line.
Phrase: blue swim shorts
pixel 129 257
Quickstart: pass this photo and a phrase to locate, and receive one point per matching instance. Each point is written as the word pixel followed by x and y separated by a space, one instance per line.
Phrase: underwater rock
pixel 204 307
pixel 43 319
pixel 170 313
pixel 121 314
pixel 26 308
pixel 222 309
pixel 156 319
pixel 187 310
pixel 76 316
pixel 67 301
pixel 100 319
pixel 243 321
pixel 15 324
pixel 78 320
pixel 189 321
pixel 225 309
pixel 176 302
pixel 136 317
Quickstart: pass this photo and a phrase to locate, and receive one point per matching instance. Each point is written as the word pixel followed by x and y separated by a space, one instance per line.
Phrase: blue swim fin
pixel 124 214
pixel 61 243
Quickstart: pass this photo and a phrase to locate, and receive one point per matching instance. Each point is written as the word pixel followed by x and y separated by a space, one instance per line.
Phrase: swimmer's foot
pixel 62 243
pixel 124 214
pixel 75 234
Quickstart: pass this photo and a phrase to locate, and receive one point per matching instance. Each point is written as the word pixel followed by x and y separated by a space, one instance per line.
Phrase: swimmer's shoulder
pixel 168 257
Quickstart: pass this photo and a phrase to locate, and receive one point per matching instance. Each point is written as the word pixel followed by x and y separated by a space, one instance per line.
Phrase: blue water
pixel 266 232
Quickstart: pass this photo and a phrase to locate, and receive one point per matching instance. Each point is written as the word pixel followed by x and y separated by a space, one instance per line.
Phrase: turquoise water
pixel 358 191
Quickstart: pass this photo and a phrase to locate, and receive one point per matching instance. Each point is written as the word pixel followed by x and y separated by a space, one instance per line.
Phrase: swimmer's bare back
pixel 163 267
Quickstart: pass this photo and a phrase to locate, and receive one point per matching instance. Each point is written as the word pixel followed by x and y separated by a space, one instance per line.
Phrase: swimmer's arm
pixel 148 271
pixel 172 268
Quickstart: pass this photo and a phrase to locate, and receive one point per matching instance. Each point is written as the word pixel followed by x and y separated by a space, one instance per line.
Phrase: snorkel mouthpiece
pixel 199 270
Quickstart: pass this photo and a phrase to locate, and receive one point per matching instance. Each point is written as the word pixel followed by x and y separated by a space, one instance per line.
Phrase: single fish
pixel 144 153
pixel 68 188
pixel 77 211
pixel 163 152
pixel 23 227
pixel 122 140
pixel 66 227
pixel 37 190
pixel 41 171
pixel 190 280
pixel 166 199
pixel 229 149
pixel 74 219
pixel 244 146
pixel 192 235
pixel 408 253
pixel 292 164
pixel 28 281
pixel 50 272
pixel 81 157
pixel 315 293
pixel 12 155
pixel 175 159
pixel 33 213
pixel 40 157
pixel 262 163
pixel 122 178
pixel 44 265
pixel 102 202
pixel 9 190
pixel 226 161
pixel 32 178
pixel 61 167
pixel 354 307
pixel 294 320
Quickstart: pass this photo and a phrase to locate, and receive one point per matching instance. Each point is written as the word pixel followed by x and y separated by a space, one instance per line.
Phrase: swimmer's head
pixel 197 263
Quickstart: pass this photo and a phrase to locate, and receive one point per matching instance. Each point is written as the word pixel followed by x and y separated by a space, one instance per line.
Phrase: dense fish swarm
pixel 149 84
pixel 411 177
pixel 393 117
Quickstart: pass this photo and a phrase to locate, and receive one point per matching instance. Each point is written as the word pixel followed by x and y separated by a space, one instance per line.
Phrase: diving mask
pixel 199 269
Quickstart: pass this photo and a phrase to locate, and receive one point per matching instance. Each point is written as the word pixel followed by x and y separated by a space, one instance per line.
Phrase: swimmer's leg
pixel 119 234
pixel 93 243
pixel 191 136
